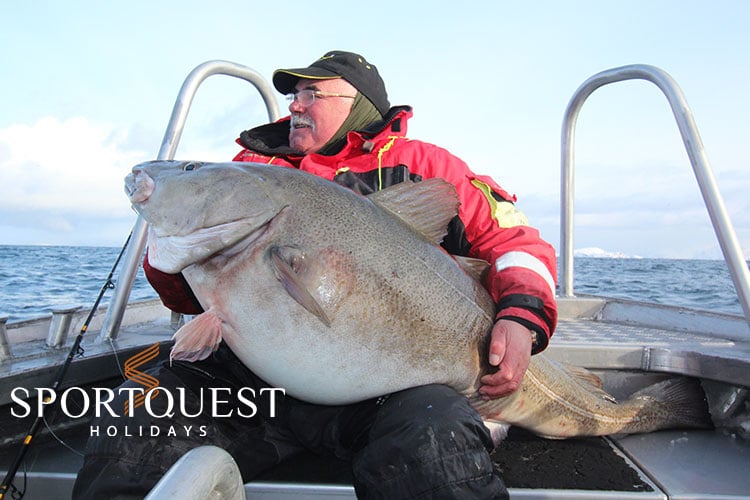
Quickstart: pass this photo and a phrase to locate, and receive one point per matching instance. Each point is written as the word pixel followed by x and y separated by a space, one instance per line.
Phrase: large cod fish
pixel 339 297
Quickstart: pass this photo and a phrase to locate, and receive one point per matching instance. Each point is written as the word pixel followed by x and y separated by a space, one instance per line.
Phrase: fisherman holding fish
pixel 424 441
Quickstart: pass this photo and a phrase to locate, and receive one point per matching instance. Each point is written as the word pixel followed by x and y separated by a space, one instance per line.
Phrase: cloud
pixel 63 183
pixel 72 165
pixel 63 179
pixel 57 173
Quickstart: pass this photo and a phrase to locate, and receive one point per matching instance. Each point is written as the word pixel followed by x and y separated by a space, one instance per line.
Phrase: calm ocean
pixel 35 278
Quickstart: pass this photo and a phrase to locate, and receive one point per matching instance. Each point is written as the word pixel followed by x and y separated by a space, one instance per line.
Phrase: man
pixel 421 442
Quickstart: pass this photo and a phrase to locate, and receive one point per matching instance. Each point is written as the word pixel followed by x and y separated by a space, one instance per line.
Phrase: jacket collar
pixel 272 139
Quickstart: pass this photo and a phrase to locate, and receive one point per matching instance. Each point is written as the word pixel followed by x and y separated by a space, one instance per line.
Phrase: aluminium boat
pixel 629 344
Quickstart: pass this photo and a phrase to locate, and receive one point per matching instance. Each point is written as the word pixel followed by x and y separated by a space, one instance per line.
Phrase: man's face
pixel 314 125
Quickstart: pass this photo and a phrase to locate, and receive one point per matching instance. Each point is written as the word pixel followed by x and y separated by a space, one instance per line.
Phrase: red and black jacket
pixel 522 275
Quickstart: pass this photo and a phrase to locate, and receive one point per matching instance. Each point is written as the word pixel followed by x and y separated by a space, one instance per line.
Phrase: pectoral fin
pixel 198 338
pixel 288 263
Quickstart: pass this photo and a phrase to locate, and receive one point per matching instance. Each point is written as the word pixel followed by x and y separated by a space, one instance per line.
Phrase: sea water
pixel 34 279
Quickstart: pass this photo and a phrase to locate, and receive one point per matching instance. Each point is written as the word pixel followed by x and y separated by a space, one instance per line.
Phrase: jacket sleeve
pixel 173 290
pixel 248 155
pixel 251 156
pixel 523 270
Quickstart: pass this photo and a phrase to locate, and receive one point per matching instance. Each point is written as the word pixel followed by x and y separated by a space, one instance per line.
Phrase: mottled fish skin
pixel 339 297
pixel 556 403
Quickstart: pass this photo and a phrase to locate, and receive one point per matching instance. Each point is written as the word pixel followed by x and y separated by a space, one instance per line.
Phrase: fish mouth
pixel 138 187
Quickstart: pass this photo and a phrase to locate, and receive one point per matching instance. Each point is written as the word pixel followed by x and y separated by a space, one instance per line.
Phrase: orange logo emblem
pixel 147 381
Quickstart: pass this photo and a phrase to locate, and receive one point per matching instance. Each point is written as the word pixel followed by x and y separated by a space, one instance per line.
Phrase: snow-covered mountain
pixel 601 253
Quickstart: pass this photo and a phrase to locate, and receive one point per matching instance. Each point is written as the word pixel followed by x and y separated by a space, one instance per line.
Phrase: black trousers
pixel 425 442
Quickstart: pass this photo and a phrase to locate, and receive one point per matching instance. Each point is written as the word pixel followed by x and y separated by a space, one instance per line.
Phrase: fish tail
pixel 681 402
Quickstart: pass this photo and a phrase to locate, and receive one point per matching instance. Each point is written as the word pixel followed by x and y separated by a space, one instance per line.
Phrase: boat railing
pixel 691 138
pixel 137 241
pixel 5 352
pixel 712 198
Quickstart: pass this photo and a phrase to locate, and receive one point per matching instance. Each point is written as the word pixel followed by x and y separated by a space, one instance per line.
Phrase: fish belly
pixel 362 353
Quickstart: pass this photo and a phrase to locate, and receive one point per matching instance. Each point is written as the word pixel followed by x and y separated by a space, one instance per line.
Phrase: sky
pixel 87 89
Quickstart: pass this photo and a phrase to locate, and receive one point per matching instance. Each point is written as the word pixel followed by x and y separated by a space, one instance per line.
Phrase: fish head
pixel 196 210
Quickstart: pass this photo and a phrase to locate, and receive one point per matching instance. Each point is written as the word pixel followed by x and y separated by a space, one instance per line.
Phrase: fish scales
pixel 339 297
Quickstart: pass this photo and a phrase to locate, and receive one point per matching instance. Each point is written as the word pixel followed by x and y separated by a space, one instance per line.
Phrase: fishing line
pixel 117 358
pixel 59 439
pixel 75 351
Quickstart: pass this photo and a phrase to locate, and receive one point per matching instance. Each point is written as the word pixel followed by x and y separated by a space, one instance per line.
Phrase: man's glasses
pixel 307 97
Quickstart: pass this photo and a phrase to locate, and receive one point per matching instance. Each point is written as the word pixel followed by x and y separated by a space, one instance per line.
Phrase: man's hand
pixel 510 350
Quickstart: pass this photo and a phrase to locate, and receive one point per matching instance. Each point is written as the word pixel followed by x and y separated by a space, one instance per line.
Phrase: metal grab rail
pixel 712 198
pixel 117 304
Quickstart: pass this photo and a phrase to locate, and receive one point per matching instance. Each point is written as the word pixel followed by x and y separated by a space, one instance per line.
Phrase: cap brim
pixel 285 79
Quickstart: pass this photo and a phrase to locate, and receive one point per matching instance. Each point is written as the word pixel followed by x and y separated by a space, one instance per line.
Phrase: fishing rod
pixel 75 350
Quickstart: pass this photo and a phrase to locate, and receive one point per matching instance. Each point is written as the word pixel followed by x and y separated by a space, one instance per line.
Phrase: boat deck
pixel 629 344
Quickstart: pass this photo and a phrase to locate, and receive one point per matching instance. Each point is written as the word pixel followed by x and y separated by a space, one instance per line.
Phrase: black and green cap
pixel 339 64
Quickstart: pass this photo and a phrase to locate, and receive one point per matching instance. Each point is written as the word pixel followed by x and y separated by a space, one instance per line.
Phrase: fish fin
pixel 498 430
pixel 683 397
pixel 591 381
pixel 197 338
pixel 582 373
pixel 287 262
pixel 555 438
pixel 427 206
pixel 476 268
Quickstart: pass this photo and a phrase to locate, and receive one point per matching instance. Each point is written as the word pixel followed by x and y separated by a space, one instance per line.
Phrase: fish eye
pixel 189 166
